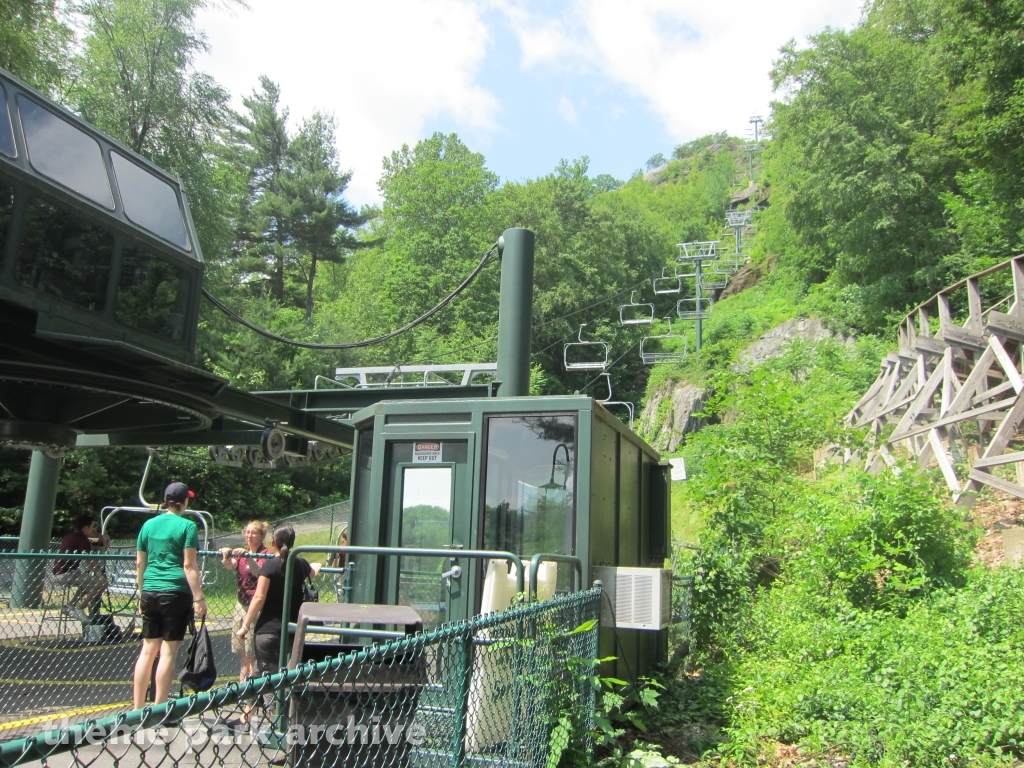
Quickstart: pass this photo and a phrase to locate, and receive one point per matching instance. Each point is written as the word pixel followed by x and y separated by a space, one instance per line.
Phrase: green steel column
pixel 36 529
pixel 700 327
pixel 515 312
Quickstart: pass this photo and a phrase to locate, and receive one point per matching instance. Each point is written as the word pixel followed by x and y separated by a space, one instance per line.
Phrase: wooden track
pixel 953 392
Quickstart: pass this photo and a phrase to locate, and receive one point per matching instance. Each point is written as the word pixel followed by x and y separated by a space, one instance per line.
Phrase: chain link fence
pixel 506 689
pixel 315 526
pixel 63 654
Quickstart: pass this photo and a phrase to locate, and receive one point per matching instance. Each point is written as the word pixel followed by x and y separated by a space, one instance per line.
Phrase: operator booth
pixel 528 475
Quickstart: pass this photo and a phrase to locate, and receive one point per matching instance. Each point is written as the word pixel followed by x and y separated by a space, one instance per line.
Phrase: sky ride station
pixel 101 278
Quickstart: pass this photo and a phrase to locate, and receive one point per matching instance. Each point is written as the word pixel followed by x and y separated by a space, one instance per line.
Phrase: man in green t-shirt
pixel 170 591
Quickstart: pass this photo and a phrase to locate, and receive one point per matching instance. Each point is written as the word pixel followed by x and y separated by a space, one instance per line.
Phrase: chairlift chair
pixel 651 355
pixel 698 308
pixel 703 250
pixel 667 283
pixel 609 402
pixel 586 348
pixel 629 313
pixel 714 280
pixel 739 218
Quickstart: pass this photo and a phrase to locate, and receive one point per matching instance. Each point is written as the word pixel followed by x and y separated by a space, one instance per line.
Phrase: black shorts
pixel 268 648
pixel 166 615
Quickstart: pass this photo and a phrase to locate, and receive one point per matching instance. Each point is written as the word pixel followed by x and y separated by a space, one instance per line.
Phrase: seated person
pixel 86 576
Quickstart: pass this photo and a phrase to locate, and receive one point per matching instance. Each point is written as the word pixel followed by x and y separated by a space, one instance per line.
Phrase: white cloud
pixel 568 110
pixel 383 69
pixel 700 66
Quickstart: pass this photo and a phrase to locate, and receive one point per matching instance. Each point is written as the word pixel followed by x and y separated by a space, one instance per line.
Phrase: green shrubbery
pixel 937 685
pixel 834 609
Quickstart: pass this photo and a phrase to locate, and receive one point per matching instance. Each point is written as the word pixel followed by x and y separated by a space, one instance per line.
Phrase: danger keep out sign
pixel 426 453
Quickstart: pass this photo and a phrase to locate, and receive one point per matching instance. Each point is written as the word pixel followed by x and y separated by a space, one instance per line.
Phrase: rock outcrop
pixel 771 344
pixel 670 413
pixel 671 410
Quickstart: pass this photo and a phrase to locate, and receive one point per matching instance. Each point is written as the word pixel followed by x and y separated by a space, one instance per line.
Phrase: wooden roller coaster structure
pixel 953 392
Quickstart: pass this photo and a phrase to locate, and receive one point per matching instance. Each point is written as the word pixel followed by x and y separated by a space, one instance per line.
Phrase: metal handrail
pixel 473 554
pixel 540 557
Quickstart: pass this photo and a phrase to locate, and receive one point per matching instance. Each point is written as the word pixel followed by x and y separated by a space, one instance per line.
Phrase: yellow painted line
pixel 59 715
pixel 35 646
pixel 9 681
pixel 69 683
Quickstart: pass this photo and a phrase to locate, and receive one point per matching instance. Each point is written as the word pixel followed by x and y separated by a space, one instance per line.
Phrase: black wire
pixel 629 671
pixel 536 327
pixel 590 306
pixel 365 342
pixel 610 365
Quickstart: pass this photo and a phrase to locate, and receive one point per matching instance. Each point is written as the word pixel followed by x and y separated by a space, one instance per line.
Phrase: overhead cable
pixel 610 365
pixel 487 257
pixel 546 323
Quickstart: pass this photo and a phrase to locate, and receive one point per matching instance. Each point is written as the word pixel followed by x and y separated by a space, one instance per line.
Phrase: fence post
pixel 464 673
pixel 36 528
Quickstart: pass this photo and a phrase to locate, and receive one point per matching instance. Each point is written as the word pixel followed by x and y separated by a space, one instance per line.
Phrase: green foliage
pixel 91 480
pixel 876 542
pixel 834 609
pixel 34 43
pixel 895 162
pixel 934 687
pixel 135 79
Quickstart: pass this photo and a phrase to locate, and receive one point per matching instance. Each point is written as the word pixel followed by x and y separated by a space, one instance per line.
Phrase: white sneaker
pixel 75 613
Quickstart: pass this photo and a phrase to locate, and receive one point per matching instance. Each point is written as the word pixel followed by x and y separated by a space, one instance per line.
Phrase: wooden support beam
pixel 944 463
pixel 1012 374
pixel 988 394
pixel 1009 326
pixel 966 339
pixel 948 377
pixel 974 413
pixel 929 346
pixel 1005 458
pixel 945 318
pixel 1006 432
pixel 924 328
pixel 921 401
pixel 974 380
pixel 1017 270
pixel 975 322
pixel 980 476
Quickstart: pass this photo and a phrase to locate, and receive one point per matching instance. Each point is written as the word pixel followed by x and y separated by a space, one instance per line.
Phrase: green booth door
pixel 430 495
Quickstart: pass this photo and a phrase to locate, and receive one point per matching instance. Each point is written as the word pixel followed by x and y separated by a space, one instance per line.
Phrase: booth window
pixel 426 524
pixel 152 295
pixel 149 201
pixel 529 498
pixel 6 134
pixel 64 153
pixel 6 210
pixel 64 256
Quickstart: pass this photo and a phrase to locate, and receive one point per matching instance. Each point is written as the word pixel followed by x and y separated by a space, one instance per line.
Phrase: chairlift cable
pixel 487 258
pixel 610 366
pixel 546 323
pixel 591 306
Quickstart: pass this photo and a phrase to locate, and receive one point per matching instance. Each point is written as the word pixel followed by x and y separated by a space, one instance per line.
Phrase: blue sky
pixel 525 83
pixel 550 113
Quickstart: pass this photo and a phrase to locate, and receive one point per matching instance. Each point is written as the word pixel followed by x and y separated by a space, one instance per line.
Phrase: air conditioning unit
pixel 637 598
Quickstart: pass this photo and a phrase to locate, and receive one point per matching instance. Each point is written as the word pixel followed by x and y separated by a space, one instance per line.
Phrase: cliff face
pixel 671 411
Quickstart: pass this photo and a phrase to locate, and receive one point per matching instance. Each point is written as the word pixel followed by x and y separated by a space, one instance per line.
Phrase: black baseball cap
pixel 178 492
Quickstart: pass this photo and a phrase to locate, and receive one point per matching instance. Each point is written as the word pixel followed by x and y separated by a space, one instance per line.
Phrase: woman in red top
pixel 255 533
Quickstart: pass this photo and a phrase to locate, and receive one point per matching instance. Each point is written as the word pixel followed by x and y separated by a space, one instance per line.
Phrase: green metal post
pixel 515 312
pixel 700 327
pixel 36 529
